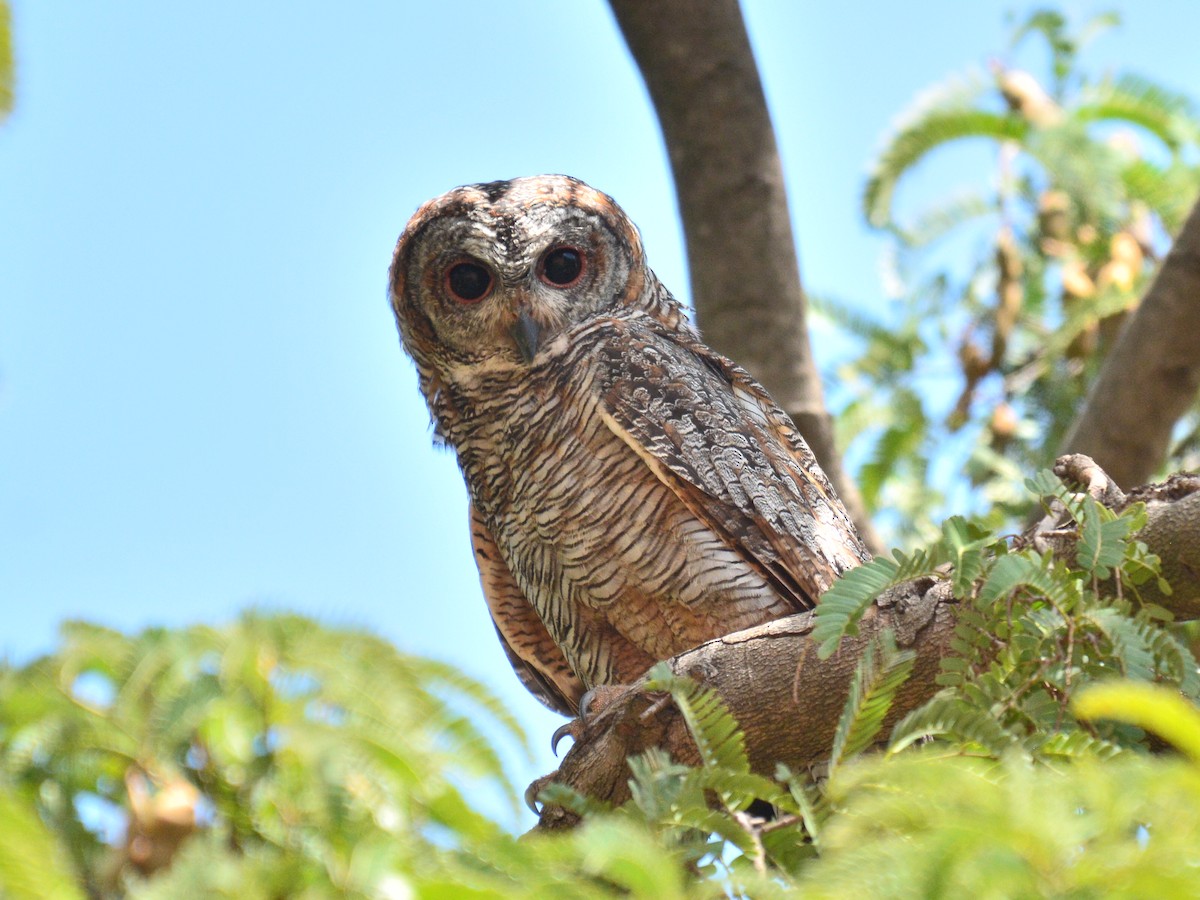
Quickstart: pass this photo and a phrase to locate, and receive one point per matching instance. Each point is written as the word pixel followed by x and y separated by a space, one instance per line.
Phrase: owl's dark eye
pixel 562 266
pixel 468 282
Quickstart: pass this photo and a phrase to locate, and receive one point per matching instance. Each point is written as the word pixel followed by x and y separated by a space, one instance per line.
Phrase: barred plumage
pixel 633 493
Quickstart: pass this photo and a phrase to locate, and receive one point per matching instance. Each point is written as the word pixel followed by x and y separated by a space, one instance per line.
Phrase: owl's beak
pixel 525 332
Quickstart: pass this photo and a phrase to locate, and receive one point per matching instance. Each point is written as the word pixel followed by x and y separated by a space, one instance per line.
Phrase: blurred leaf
pixel 7 66
pixel 32 866
pixel 1148 706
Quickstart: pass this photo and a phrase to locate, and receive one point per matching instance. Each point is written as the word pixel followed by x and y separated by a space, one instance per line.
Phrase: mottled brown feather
pixel 537 660
pixel 729 468
pixel 634 494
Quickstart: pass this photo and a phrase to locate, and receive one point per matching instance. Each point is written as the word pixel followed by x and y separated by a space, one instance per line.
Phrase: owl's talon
pixel 571 729
pixel 591 705
pixel 536 787
pixel 531 794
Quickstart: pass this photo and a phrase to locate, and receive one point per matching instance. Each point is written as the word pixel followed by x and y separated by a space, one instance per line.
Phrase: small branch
pixel 1152 374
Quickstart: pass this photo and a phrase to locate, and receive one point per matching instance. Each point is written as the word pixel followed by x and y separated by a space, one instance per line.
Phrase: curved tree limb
pixel 702 78
pixel 788 701
pixel 1152 374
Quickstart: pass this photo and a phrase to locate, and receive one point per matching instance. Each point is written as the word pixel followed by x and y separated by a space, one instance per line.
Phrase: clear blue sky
pixel 203 402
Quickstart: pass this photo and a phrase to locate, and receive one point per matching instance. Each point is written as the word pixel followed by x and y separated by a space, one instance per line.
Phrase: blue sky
pixel 203 402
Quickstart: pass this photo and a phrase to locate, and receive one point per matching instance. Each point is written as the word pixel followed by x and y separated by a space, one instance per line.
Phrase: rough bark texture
pixel 703 80
pixel 788 700
pixel 1152 374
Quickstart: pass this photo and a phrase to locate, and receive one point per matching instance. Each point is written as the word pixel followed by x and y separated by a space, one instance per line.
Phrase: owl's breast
pixel 532 450
pixel 621 572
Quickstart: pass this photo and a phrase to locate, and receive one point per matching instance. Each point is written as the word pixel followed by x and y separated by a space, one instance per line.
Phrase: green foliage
pixel 1036 629
pixel 1098 823
pixel 880 673
pixel 931 825
pixel 32 864
pixel 7 68
pixel 274 757
pixel 324 755
pixel 961 543
pixel 1009 292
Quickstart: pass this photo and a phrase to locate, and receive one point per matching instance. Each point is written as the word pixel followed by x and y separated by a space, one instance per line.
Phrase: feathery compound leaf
pixel 965 545
pixel 556 794
pixel 1077 745
pixel 1168 192
pixel 807 801
pixel 1045 484
pixel 877 678
pixel 1028 570
pixel 939 116
pixel 1169 116
pixel 718 738
pixel 32 864
pixel 847 599
pixel 1102 539
pixel 841 607
pixel 1129 639
pixel 945 217
pixel 6 61
pixel 956 719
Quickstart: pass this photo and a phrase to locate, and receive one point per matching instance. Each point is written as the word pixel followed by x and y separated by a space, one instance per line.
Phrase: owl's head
pixel 497 272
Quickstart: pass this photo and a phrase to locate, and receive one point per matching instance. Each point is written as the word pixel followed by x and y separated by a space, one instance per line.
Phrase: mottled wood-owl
pixel 633 493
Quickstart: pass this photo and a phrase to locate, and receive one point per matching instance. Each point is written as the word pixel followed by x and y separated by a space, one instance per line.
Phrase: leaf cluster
pixel 271 757
pixel 1009 293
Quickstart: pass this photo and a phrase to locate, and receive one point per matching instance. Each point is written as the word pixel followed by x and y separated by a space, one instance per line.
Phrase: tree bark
pixel 788 701
pixel 700 71
pixel 1151 376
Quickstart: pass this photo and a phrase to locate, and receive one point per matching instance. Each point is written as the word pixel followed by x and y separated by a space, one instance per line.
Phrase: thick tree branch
pixel 702 77
pixel 1152 374
pixel 788 701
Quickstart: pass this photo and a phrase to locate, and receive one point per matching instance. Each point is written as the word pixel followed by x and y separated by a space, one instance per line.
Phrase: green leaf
pixel 1102 539
pixel 1169 116
pixel 953 718
pixel 7 68
pixel 1152 707
pixel 718 738
pixel 966 543
pixel 933 123
pixel 1077 745
pixel 32 865
pixel 847 599
pixel 1027 570
pixel 878 676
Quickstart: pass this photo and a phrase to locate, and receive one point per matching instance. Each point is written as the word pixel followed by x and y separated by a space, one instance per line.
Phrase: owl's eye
pixel 562 266
pixel 468 282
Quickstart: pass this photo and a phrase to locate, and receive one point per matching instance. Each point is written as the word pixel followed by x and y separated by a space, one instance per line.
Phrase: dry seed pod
pixel 1076 282
pixel 1027 97
pixel 1053 221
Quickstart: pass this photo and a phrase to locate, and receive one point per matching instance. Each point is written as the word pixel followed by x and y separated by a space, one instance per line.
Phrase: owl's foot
pixel 536 787
pixel 591 705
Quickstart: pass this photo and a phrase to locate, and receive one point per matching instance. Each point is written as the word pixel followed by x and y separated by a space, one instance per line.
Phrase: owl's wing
pixel 712 434
pixel 537 660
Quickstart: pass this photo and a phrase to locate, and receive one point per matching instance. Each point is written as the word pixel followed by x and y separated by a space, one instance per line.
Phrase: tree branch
pixel 1152 374
pixel 703 80
pixel 788 701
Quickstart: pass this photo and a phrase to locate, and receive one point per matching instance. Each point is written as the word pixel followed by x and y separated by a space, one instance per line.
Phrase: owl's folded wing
pixel 537 660
pixel 713 435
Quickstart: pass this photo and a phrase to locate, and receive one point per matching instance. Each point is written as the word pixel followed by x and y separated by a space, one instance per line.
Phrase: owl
pixel 633 493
